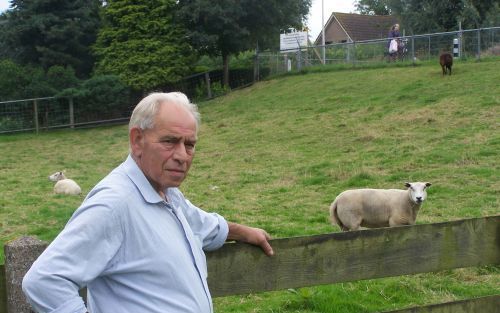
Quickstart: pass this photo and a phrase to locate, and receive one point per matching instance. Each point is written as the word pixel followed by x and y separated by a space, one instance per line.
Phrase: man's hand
pixel 255 236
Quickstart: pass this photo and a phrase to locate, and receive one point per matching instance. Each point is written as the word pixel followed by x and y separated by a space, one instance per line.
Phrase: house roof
pixel 359 27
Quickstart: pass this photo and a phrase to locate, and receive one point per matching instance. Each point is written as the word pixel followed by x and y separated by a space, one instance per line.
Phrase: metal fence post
pixel 299 60
pixel 354 54
pixel 413 50
pixel 35 115
pixel 71 113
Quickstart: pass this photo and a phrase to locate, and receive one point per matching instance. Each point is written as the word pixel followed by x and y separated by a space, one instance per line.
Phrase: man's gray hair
pixel 144 113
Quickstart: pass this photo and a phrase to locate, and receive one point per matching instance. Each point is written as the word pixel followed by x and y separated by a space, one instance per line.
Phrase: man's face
pixel 165 152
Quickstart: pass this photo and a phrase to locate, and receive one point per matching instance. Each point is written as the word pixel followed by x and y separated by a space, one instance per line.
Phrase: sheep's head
pixel 57 176
pixel 417 191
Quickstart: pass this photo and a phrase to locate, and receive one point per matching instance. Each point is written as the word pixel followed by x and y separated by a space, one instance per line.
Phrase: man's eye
pixel 168 143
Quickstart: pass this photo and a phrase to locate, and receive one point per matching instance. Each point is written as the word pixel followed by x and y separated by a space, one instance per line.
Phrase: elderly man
pixel 136 242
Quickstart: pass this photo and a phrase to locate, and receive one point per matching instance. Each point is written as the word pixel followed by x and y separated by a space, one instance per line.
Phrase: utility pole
pixel 323 30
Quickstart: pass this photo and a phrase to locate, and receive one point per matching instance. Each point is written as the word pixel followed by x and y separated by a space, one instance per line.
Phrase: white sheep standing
pixel 64 185
pixel 378 207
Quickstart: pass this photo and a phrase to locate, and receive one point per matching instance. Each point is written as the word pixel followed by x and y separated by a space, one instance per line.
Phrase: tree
pixel 51 32
pixel 226 27
pixel 140 43
pixel 373 7
pixel 27 81
pixel 425 16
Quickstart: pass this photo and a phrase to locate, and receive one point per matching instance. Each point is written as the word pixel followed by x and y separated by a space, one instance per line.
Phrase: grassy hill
pixel 276 154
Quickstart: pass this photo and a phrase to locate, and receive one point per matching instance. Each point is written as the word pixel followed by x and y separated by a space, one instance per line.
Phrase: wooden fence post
pixel 71 113
pixel 479 43
pixel 207 82
pixel 35 115
pixel 256 66
pixel 19 256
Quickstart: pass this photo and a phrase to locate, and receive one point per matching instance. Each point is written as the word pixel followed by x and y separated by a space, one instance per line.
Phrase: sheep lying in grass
pixel 64 185
pixel 378 207
pixel 446 62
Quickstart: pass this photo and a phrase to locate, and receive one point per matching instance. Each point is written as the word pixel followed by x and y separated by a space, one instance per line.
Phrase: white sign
pixel 293 41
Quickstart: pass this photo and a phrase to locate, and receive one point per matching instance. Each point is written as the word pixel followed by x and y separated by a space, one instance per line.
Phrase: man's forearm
pixel 255 236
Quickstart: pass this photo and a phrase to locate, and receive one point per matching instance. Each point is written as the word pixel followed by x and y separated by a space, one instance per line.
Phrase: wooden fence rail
pixel 341 257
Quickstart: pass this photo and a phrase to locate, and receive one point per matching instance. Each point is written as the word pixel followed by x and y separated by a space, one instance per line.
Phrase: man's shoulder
pixel 116 185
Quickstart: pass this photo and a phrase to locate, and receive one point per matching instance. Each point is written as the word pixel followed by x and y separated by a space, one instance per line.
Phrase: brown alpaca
pixel 446 61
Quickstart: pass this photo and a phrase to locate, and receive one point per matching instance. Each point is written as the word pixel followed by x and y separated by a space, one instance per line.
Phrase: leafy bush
pixel 25 82
pixel 99 95
pixel 217 89
pixel 60 77
pixel 12 78
pixel 8 123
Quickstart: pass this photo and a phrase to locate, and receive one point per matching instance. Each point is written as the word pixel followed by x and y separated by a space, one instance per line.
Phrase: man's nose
pixel 180 152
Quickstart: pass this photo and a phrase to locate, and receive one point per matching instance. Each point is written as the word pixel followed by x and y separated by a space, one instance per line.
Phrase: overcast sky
pixel 314 20
pixel 4 5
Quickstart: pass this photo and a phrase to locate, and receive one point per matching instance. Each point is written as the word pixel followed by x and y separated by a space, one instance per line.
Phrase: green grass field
pixel 276 154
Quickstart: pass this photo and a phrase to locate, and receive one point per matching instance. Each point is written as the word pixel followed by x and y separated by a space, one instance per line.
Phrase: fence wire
pixel 48 113
pixel 475 43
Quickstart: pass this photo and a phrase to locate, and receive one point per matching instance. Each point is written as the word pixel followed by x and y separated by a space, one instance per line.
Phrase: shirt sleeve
pixel 76 256
pixel 211 228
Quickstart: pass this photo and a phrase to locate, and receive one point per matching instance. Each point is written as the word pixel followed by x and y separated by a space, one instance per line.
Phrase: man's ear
pixel 136 137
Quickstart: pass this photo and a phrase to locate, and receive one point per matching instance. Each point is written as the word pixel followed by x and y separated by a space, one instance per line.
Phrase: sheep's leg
pixel 344 228
pixel 396 221
pixel 349 220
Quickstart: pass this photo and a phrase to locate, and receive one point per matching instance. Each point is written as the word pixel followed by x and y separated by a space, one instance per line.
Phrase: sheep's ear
pixel 428 184
pixel 407 185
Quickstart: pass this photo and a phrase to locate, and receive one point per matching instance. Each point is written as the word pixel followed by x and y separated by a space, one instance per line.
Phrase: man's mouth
pixel 175 171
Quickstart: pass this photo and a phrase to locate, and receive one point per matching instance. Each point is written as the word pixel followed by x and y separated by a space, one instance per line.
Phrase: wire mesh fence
pixel 41 114
pixel 474 43
pixel 51 112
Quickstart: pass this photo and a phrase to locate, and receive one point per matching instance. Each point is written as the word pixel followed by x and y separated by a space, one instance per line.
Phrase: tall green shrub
pixel 140 43
pixel 101 94
pixel 12 76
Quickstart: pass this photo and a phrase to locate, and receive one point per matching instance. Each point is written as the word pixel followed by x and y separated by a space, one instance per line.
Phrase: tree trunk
pixel 225 60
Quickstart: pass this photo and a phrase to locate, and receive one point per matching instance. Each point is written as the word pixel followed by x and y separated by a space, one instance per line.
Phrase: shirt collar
pixel 137 176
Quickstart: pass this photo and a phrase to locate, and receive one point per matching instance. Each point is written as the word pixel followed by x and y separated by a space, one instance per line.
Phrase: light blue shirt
pixel 133 250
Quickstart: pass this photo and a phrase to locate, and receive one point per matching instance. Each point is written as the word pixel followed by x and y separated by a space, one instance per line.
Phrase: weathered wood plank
pixel 3 290
pixel 487 304
pixel 340 257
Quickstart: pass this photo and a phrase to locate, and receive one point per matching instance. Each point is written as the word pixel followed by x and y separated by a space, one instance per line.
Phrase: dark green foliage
pixel 51 32
pixel 429 16
pixel 432 15
pixel 11 78
pixel 140 43
pixel 226 27
pixel 99 95
pixel 61 78
pixel 373 7
pixel 24 82
pixel 37 84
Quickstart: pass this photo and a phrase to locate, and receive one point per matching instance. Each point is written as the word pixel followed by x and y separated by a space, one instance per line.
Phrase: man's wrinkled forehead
pixel 174 115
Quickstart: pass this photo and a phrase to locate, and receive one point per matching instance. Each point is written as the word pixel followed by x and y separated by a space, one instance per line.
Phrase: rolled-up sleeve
pixel 217 237
pixel 211 228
